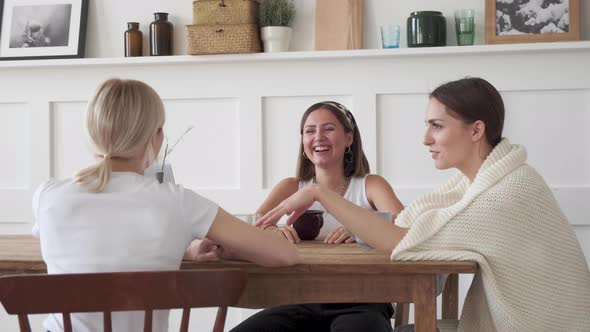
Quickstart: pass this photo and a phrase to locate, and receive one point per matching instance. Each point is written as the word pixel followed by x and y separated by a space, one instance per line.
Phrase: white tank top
pixel 355 193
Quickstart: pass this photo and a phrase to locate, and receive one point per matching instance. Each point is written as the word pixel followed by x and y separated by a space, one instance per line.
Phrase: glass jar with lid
pixel 133 40
pixel 161 35
pixel 426 28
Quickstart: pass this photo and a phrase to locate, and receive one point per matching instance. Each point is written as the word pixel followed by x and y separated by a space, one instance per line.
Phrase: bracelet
pixel 266 226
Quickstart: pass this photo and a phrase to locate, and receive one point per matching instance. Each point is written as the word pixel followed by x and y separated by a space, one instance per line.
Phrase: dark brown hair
pixel 472 99
pixel 358 165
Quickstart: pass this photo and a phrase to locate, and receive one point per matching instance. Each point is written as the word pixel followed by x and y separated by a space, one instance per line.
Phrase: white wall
pixel 107 21
pixel 238 106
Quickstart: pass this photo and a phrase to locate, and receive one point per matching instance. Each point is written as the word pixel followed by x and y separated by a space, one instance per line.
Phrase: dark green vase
pixel 426 29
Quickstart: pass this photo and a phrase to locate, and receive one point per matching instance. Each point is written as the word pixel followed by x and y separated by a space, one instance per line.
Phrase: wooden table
pixel 329 274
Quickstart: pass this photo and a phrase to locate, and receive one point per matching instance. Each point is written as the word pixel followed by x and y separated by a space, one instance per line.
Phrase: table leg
pixel 402 314
pixel 425 303
pixel 450 298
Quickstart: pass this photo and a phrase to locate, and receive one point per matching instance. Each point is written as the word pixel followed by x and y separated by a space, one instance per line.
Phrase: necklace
pixel 340 190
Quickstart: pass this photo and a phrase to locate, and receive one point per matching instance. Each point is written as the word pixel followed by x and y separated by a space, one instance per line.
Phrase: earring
pixel 304 155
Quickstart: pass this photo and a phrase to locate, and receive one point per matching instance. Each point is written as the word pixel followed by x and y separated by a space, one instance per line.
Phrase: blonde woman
pixel 111 218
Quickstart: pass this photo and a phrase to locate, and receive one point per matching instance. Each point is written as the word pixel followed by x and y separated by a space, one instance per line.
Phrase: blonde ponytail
pixel 121 119
pixel 101 171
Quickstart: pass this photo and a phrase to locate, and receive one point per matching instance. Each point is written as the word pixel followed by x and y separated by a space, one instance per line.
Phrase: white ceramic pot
pixel 276 39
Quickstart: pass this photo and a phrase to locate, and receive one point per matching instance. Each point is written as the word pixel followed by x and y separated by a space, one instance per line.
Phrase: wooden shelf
pixel 303 56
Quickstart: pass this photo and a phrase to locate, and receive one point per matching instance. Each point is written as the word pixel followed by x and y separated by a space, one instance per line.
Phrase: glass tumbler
pixel 464 26
pixel 390 36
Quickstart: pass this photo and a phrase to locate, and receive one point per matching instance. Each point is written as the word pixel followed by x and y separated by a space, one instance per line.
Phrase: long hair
pixel 355 165
pixel 471 99
pixel 121 119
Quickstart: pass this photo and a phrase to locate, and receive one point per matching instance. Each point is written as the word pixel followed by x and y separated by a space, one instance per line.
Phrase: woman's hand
pixel 203 250
pixel 288 232
pixel 285 232
pixel 339 235
pixel 295 205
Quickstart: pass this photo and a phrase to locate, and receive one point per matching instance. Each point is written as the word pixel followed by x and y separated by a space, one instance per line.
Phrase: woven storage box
pixel 225 12
pixel 222 39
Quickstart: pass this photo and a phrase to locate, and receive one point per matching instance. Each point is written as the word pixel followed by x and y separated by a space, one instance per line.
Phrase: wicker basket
pixel 222 39
pixel 225 12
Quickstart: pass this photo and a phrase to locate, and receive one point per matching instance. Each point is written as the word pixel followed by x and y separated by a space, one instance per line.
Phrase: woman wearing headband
pixel 331 156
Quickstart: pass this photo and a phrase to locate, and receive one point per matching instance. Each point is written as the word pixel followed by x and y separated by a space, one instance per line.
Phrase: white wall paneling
pixel 246 112
pixel 365 113
pixel 209 153
pixel 15 144
pixel 68 138
pixel 548 121
pixel 401 129
pixel 251 138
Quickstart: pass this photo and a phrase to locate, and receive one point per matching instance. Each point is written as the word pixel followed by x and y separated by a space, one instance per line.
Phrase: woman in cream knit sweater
pixel 497 210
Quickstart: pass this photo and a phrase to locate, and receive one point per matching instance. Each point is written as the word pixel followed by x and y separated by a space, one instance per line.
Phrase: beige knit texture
pixel 532 273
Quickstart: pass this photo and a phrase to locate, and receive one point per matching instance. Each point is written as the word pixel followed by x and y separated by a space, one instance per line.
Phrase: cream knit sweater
pixel 532 274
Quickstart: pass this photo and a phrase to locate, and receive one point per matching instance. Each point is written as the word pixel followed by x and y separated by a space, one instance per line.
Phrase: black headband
pixel 344 110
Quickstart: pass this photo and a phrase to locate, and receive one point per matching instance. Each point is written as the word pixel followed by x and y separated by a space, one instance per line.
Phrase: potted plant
pixel 275 18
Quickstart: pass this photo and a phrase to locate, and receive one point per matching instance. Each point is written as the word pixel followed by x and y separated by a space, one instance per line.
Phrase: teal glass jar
pixel 426 29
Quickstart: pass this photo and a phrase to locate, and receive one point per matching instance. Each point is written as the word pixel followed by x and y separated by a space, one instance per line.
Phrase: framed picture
pixel 42 29
pixel 531 21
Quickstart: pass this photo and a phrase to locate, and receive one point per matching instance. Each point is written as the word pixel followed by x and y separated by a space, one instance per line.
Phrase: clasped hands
pixel 203 250
pixel 295 206
pixel 339 235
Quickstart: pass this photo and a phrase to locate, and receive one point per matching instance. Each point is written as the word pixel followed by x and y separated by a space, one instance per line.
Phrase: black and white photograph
pixel 514 17
pixel 40 26
pixel 43 29
pixel 522 21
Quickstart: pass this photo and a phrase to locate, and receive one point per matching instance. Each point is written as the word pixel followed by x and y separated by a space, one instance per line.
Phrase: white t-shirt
pixel 134 224
pixel 355 193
